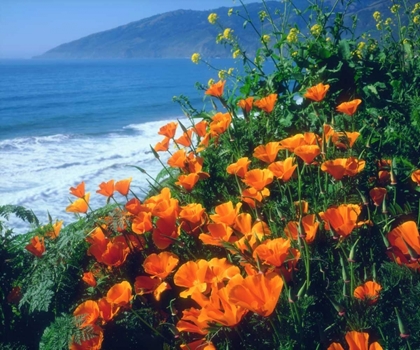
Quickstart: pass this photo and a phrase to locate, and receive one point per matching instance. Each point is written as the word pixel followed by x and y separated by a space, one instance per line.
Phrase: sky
pixel 31 27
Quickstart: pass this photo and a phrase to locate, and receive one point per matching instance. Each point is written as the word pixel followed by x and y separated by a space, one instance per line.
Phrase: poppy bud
pixel 343 270
pixel 352 252
pixel 339 308
pixel 403 332
pixel 384 209
pixel 301 290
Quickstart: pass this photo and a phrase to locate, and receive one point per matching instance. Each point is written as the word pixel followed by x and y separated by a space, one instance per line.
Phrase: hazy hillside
pixel 179 33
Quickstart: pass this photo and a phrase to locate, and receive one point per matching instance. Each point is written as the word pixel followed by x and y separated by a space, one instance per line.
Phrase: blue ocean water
pixel 62 122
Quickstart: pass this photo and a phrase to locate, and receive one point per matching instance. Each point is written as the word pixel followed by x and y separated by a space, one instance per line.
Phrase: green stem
pixel 148 325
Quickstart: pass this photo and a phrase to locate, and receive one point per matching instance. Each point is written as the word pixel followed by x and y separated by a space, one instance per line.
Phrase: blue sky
pixel 31 27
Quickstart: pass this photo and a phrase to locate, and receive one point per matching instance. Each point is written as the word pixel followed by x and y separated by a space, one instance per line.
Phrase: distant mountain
pixel 180 33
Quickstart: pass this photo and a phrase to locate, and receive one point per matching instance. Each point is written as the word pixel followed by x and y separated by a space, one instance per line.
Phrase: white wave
pixel 37 172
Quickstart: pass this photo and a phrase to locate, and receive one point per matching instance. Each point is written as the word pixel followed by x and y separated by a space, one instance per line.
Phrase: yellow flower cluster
pixel 316 29
pixel 388 21
pixel 210 82
pixel 195 58
pixel 416 20
pixel 230 11
pixel 263 15
pixel 222 74
pixel 416 7
pixel 212 18
pixel 292 37
pixel 227 34
pixel 265 38
pixel 236 53
pixel 395 8
pixel 377 16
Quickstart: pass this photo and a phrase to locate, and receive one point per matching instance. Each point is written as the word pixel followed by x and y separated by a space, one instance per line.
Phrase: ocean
pixel 63 122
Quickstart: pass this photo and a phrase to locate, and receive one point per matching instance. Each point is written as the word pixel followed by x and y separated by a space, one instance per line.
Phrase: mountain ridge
pixel 179 33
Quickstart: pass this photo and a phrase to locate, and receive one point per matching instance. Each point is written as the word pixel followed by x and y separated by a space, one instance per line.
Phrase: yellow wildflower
pixel 379 25
pixel 265 38
pixel 222 74
pixel 236 53
pixel 316 29
pixel 212 18
pixel 195 58
pixel 361 45
pixel 377 16
pixel 227 33
pixel 416 7
pixel 292 37
pixel 395 8
pixel 388 21
pixel 230 71
pixel 230 11
pixel 262 15
pixel 210 82
pixel 416 19
pixel 294 53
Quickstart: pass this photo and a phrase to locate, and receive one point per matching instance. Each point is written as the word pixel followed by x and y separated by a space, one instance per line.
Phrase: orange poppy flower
pixel 178 159
pixel 342 219
pixel 258 178
pixel 142 223
pixel 340 167
pixel 258 293
pixel 36 246
pixel 185 139
pixel 54 232
pixel 79 190
pixel 226 213
pixel 344 139
pixel 292 142
pixel 378 195
pixel 116 252
pixel 218 233
pixel 146 285
pixel 267 153
pixel 283 169
pixel 356 341
pixel 201 344
pixel 216 90
pixel 165 233
pixel 168 130
pixel 368 291
pixel 79 205
pixel 406 238
pixel 317 92
pixel 192 275
pixel 89 278
pixel 250 195
pixel 273 251
pixel 349 108
pixel 193 213
pixel 266 103
pixel 190 322
pixel 309 226
pixel 188 181
pixel 106 188
pixel 160 265
pixel 94 343
pixel 239 168
pixel 201 128
pixel 307 152
pixel 163 145
pixel 120 294
pixel 88 312
pixel 220 123
pixel 123 186
pixel 107 310
pixel 415 176
pixel 246 104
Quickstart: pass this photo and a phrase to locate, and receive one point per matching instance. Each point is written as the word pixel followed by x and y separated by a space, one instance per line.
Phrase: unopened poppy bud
pixel 301 290
pixel 174 311
pixel 374 271
pixel 345 290
pixel 338 307
pixel 401 327
pixel 343 270
pixel 289 297
pixel 352 251
pixel 393 177
pixel 384 208
pixel 413 254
